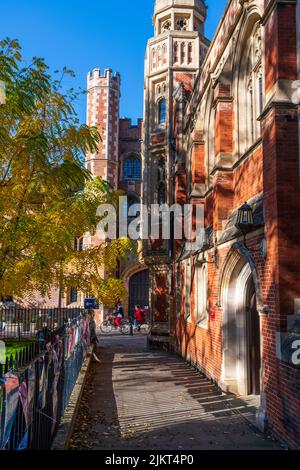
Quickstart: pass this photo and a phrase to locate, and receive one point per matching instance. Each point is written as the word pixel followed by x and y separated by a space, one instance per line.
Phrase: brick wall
pixel 271 168
pixel 103 102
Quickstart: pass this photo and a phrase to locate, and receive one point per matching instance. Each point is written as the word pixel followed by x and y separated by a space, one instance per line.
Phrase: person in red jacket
pixel 139 316
pixel 119 315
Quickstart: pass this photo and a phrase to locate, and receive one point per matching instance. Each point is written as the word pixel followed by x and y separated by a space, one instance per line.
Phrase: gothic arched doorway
pixel 253 341
pixel 241 369
pixel 138 290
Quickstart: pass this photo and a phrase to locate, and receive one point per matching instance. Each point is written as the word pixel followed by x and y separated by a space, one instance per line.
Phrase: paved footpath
pixel 139 399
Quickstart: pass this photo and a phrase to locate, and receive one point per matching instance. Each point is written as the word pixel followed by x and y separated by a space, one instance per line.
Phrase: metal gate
pixel 138 290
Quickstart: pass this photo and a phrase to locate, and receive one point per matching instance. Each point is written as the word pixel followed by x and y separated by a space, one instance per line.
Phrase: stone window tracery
pixel 251 99
pixel 166 26
pixel 181 24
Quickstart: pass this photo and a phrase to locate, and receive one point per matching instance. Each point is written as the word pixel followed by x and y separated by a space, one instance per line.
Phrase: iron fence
pixel 37 384
pixel 16 322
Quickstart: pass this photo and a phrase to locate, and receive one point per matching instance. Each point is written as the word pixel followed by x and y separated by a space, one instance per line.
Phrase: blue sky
pixel 83 35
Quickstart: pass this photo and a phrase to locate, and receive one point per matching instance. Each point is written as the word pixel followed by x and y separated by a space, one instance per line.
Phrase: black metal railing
pixel 20 358
pixel 20 323
pixel 37 382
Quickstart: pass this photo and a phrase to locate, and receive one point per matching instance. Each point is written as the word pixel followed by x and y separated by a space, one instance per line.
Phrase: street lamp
pixel 244 221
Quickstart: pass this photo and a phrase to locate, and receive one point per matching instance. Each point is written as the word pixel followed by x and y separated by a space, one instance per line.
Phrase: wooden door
pixel 138 290
pixel 254 353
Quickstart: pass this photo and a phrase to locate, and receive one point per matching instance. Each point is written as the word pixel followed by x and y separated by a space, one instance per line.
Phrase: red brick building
pixel 118 161
pixel 222 127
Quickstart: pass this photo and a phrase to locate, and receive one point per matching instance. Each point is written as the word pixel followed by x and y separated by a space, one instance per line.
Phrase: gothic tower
pixel 103 103
pixel 173 59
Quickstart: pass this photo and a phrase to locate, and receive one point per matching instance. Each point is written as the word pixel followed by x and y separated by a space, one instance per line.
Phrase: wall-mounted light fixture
pixel 245 223
pixel 244 220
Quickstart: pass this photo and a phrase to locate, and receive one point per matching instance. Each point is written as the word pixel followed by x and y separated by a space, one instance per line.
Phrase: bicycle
pixel 108 325
pixel 144 329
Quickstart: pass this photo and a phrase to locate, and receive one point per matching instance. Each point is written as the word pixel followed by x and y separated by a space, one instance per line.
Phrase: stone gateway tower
pixel 103 103
pixel 118 161
pixel 173 60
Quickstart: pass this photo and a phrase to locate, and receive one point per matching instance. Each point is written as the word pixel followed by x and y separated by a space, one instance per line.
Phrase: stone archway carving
pixel 239 250
pixel 238 273
pixel 133 268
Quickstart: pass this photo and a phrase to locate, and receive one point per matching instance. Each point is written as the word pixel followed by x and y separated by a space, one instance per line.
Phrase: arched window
pixel 181 24
pixel 201 294
pixel 132 168
pixel 162 111
pixel 166 26
pixel 251 90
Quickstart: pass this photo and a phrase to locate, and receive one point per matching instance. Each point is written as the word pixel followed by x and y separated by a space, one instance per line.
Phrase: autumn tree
pixel 47 197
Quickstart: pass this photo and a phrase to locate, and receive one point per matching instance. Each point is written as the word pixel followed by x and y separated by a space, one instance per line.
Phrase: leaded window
pixel 132 168
pixel 162 111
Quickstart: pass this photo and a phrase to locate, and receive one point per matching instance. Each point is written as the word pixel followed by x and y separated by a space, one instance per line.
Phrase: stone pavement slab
pixel 138 399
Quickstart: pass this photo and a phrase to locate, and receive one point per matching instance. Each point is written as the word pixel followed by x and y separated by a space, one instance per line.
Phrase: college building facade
pixel 221 130
pixel 118 161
